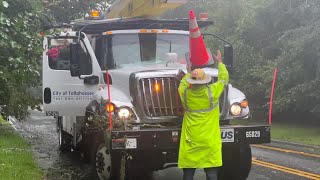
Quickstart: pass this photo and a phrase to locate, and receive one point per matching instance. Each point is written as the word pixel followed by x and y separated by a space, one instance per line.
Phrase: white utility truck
pixel 143 60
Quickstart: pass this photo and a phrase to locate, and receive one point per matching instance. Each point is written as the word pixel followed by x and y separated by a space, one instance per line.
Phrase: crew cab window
pixel 59 55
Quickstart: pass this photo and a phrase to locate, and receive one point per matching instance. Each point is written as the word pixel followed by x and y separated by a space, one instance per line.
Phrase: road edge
pixel 296 144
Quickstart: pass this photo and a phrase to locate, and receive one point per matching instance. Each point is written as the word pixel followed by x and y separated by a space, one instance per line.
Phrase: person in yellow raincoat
pixel 200 143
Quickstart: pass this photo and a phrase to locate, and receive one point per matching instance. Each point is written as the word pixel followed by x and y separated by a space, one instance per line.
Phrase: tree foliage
pixel 19 56
pixel 20 46
pixel 284 34
pixel 269 34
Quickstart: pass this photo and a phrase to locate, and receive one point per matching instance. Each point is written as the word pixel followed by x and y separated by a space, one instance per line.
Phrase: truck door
pixel 64 95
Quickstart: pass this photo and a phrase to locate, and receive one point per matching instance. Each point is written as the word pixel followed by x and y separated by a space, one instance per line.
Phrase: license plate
pixel 253 134
pixel 131 143
pixel 227 135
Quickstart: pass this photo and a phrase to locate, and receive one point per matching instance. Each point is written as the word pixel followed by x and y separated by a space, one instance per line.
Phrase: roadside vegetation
pixel 16 161
pixel 296 133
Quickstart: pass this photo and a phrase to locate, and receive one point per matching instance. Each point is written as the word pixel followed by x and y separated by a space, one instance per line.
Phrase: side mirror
pixel 91 80
pixel 75 50
pixel 228 57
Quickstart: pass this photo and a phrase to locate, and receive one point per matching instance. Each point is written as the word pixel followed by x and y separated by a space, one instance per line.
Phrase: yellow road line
pixel 286 150
pixel 287 170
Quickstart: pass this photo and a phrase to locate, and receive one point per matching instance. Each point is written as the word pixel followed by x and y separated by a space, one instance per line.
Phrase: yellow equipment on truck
pixel 141 8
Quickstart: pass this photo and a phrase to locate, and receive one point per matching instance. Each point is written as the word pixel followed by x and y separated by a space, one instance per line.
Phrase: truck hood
pixel 120 77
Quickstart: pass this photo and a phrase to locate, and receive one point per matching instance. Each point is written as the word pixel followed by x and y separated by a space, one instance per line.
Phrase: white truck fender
pixel 118 97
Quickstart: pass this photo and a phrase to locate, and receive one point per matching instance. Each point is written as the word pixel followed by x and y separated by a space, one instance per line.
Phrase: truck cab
pixel 113 86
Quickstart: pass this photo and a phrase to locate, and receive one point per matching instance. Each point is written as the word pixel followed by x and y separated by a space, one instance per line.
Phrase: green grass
pixel 16 160
pixel 296 133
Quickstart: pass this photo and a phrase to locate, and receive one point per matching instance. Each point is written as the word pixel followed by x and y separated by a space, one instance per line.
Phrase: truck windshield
pixel 127 50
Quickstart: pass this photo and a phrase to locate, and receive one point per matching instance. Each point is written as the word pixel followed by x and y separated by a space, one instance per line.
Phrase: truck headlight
pixel 124 113
pixel 235 109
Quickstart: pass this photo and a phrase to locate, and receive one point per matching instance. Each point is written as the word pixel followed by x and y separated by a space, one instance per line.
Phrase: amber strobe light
pixel 157 87
pixel 95 13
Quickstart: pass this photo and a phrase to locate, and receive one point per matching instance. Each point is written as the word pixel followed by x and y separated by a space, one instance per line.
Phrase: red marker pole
pixel 272 93
pixel 109 97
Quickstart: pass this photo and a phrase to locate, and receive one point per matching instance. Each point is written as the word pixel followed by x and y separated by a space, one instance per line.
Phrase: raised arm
pixel 223 76
pixel 183 85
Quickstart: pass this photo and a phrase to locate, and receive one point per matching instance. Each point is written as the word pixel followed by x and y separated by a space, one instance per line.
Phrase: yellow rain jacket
pixel 200 143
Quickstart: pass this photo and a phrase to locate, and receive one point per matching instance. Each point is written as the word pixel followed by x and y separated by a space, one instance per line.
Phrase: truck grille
pixel 160 96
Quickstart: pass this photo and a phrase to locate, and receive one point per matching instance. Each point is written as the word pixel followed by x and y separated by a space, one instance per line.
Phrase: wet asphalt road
pixel 40 132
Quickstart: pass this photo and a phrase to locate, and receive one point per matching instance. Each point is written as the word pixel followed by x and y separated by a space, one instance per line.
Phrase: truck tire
pixel 236 162
pixel 107 165
pixel 64 138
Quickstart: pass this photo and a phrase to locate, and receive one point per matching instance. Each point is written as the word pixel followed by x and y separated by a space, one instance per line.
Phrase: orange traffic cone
pixel 199 55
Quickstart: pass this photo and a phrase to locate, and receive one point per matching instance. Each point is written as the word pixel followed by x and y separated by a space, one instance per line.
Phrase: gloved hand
pixel 218 57
pixel 180 74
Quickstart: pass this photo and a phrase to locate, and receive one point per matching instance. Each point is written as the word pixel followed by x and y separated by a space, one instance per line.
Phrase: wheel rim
pixel 103 162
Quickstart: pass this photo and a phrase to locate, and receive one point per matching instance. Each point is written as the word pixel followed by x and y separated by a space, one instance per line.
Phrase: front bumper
pixel 168 138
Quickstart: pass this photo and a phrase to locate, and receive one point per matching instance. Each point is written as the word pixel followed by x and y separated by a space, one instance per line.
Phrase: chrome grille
pixel 164 101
